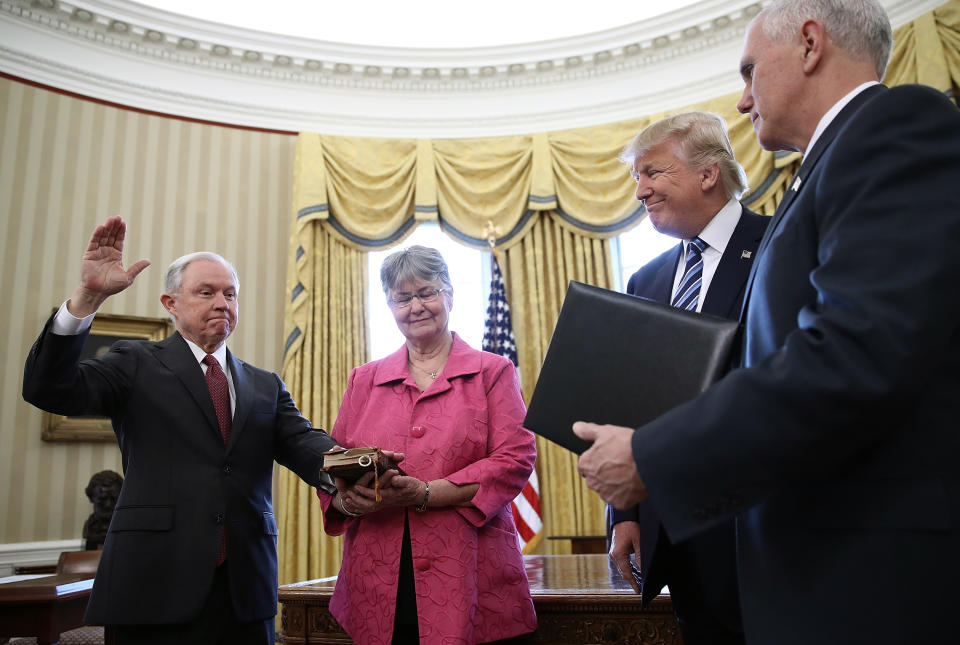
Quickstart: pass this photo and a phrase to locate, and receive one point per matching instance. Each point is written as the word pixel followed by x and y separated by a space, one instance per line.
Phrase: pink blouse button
pixel 421 564
pixel 416 431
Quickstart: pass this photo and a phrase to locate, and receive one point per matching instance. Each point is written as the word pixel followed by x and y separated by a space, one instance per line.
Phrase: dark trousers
pixel 405 629
pixel 703 586
pixel 217 624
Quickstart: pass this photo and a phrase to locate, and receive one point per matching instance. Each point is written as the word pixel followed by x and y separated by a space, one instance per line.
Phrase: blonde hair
pixel 703 142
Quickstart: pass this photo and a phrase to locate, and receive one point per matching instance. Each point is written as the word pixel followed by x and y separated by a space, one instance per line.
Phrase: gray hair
pixel 414 262
pixel 703 142
pixel 173 279
pixel 859 27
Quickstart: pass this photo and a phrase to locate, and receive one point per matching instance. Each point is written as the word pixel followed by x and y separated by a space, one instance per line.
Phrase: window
pixel 635 248
pixel 469 273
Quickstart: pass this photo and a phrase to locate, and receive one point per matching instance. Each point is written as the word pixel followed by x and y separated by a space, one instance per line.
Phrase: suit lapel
pixel 661 287
pixel 177 357
pixel 733 269
pixel 806 168
pixel 241 386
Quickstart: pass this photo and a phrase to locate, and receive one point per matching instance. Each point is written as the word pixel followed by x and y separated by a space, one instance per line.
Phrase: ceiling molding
pixel 153 60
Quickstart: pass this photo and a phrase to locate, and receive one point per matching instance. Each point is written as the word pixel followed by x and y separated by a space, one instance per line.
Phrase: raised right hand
pixel 101 271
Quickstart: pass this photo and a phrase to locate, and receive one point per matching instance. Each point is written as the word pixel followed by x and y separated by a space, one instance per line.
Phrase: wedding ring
pixel 364 460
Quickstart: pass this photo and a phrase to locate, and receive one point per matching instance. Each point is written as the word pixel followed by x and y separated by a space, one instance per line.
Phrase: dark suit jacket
pixel 724 298
pixel 182 487
pixel 837 444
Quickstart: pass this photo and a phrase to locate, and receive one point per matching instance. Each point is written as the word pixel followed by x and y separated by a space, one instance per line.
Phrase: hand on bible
pixel 394 489
pixel 608 465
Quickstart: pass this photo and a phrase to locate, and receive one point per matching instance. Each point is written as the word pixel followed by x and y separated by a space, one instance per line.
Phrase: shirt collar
pixel 834 111
pixel 220 354
pixel 720 229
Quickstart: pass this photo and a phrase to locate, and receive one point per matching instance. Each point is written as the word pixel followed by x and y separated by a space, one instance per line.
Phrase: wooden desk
pixel 43 607
pixel 579 599
pixel 584 543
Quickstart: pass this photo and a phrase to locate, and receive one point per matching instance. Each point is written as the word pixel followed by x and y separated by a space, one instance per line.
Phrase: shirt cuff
pixel 66 324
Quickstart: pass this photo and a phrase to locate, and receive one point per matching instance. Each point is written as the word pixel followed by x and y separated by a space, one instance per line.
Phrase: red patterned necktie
pixel 220 393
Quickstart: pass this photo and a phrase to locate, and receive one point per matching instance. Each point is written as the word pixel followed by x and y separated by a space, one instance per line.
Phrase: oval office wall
pixel 296 211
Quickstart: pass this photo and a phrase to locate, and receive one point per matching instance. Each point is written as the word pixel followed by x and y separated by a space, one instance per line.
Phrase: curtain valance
pixel 551 199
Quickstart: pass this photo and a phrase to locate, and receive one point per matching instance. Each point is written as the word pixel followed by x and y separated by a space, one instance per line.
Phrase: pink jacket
pixel 466 427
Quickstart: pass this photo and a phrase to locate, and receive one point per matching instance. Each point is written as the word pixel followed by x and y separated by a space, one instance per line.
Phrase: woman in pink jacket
pixel 437 559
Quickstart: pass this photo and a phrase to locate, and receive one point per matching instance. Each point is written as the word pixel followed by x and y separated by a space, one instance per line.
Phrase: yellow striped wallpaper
pixel 66 164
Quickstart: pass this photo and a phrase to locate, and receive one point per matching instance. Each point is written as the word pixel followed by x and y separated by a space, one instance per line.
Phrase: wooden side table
pixel 43 606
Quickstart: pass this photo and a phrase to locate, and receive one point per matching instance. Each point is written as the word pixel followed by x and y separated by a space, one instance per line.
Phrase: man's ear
pixel 168 302
pixel 814 39
pixel 709 177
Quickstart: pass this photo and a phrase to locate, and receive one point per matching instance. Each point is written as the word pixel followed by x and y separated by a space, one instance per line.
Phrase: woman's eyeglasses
pixel 403 300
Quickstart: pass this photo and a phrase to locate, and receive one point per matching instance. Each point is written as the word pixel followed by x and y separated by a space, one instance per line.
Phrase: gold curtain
pixel 537 271
pixel 325 319
pixel 550 200
pixel 927 50
pixel 946 20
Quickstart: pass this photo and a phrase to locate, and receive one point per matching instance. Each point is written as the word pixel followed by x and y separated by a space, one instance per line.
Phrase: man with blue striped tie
pixel 834 444
pixel 695 201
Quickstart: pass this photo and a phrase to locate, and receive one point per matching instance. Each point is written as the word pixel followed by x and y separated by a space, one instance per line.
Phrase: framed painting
pixel 105 331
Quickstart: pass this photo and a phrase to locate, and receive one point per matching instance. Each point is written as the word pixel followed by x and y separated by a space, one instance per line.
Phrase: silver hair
pixel 414 262
pixel 859 27
pixel 173 278
pixel 703 140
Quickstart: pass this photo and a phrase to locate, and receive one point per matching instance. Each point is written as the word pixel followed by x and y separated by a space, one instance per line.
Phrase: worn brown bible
pixel 350 464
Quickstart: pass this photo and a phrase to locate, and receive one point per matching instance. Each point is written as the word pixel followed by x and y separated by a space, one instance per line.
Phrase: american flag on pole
pixel 498 339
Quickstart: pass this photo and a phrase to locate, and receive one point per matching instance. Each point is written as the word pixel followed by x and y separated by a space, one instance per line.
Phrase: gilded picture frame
pixel 105 331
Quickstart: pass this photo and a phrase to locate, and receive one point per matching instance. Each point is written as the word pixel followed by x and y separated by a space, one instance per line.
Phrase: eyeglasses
pixel 404 300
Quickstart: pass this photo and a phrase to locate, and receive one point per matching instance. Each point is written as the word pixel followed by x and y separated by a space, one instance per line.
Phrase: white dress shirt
pixel 717 235
pixel 834 111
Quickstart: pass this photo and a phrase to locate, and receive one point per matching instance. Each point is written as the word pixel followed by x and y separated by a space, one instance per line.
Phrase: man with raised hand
pixel 191 553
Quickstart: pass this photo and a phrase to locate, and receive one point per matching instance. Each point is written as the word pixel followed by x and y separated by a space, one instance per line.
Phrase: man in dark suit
pixel 191 553
pixel 695 201
pixel 836 445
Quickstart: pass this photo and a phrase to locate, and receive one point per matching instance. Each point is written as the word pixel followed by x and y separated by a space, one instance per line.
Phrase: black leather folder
pixel 619 359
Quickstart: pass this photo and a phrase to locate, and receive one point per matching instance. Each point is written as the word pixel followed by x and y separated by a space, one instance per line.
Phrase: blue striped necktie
pixel 688 292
